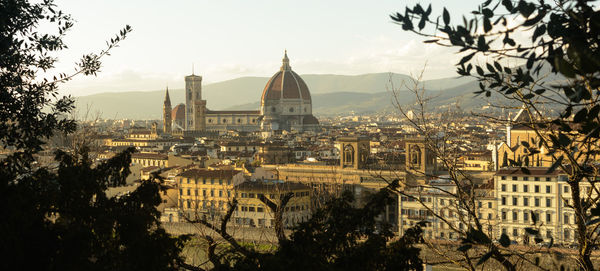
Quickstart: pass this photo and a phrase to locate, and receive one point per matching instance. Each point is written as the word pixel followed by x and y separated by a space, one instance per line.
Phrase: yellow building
pixel 203 191
pixel 251 211
pixel 513 149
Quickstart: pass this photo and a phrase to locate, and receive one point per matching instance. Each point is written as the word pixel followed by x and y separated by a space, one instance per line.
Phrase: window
pixel 503 178
pixel 515 201
pixel 224 120
pixel 515 216
pixel 187 180
pixel 251 195
pixel 503 201
pixel 212 181
pixel 525 178
pixel 181 192
pixel 536 189
pixel 489 205
pixel 515 232
pixel 189 192
pixel 548 202
pixel 536 178
pixel 480 204
pixel 525 201
pixel 250 209
pixel 548 218
pixel 196 192
pixel 566 219
pixel 229 194
pixel 489 215
pixel 239 120
pixel 547 179
pixel 220 182
pixel 548 234
pixel 204 192
pixel 537 202
pixel 514 178
pixel 548 189
pixel 212 192
pixel 525 188
pixel 514 188
pixel 567 234
pixel 203 181
pixel 503 188
pixel 220 193
pixel 260 209
pixel 291 109
pixel 525 216
pixel 566 189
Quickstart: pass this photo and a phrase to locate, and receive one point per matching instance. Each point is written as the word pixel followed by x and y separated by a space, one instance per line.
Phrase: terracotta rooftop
pixel 260 185
pixel 205 173
pixel 534 171
pixel 234 112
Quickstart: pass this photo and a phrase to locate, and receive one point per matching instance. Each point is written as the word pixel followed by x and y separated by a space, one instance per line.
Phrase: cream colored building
pixel 521 195
pixel 251 211
pixel 446 219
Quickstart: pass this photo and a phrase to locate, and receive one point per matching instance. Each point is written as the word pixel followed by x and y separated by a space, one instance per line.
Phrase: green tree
pixel 58 217
pixel 562 35
pixel 339 236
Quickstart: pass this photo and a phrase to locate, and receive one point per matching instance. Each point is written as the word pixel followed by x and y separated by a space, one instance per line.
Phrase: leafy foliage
pixel 564 37
pixel 340 236
pixel 57 216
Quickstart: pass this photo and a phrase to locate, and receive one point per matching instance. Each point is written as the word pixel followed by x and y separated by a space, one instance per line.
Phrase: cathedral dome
pixel 286 85
pixel 178 112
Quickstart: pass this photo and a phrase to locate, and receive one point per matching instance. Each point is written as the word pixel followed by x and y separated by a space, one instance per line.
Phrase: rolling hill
pixel 331 94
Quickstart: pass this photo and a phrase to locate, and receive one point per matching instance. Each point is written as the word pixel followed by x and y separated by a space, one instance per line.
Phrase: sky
pixel 228 39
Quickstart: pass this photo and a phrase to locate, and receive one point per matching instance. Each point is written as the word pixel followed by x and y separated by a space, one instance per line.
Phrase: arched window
pixel 348 155
pixel 415 155
pixel 291 109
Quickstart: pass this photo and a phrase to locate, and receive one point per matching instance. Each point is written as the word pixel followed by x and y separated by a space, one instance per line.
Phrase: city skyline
pixel 227 40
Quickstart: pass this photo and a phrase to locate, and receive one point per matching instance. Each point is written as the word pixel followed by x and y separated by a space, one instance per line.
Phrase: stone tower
pixel 418 157
pixel 167 113
pixel 194 105
pixel 354 152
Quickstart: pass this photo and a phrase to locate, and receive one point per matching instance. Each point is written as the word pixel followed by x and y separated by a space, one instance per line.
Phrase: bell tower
pixel 418 157
pixel 354 152
pixel 193 102
pixel 167 119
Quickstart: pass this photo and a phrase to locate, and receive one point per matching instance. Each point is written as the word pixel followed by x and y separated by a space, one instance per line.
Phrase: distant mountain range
pixel 331 95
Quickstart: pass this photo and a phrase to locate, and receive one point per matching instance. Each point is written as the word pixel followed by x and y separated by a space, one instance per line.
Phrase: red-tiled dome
pixel 285 84
pixel 178 112
pixel 310 119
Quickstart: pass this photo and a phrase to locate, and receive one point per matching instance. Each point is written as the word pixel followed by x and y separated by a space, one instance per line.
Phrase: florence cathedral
pixel 285 105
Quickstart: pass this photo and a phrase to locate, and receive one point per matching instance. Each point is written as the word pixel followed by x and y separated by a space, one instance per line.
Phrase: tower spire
pixel 167 98
pixel 192 68
pixel 286 62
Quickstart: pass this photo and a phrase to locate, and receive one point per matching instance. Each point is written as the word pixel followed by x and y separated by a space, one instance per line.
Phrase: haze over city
pixel 229 39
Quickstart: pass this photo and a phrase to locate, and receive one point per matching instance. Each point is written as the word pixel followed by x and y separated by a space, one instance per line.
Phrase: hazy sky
pixel 229 39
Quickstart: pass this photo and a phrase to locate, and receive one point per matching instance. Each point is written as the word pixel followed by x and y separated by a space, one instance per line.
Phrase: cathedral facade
pixel 285 105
